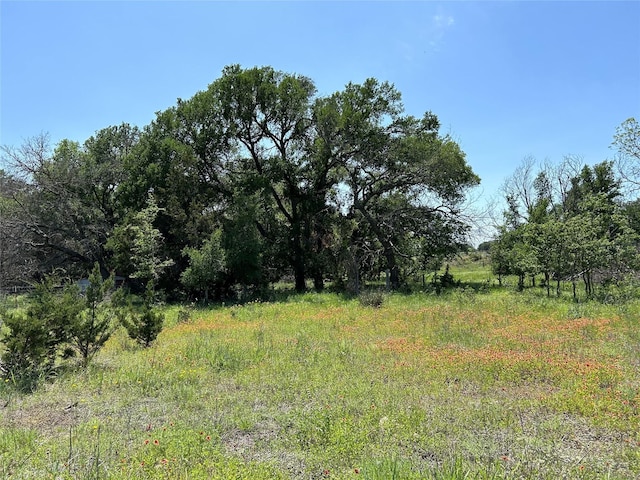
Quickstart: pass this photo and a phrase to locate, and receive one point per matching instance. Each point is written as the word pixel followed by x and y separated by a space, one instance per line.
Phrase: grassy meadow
pixel 467 384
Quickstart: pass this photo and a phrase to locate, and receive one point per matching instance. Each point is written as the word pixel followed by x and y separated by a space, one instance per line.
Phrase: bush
pixel 27 350
pixel 94 325
pixel 37 337
pixel 57 324
pixel 144 326
pixel 372 298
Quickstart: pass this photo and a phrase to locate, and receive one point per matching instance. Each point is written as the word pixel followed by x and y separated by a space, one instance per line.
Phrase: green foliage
pixel 244 249
pixel 446 280
pixel 143 325
pixel 58 323
pixel 90 330
pixel 136 245
pixel 37 337
pixel 372 298
pixel 582 235
pixel 206 266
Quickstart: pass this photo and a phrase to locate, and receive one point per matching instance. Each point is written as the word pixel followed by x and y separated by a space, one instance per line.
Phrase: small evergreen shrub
pixel 57 324
pixel 145 325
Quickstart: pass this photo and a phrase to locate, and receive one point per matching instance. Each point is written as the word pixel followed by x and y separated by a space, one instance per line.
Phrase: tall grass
pixel 458 385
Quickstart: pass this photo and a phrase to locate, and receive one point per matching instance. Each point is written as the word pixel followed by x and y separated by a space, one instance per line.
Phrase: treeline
pixel 573 222
pixel 253 180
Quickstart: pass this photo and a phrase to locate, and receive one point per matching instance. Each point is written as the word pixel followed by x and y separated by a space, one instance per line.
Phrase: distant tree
pixel 627 143
pixel 485 246
pixel 71 204
pixel 206 266
pixel 17 264
pixel 574 229
pixel 136 245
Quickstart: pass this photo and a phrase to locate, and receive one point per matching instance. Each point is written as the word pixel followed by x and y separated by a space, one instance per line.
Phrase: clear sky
pixel 507 79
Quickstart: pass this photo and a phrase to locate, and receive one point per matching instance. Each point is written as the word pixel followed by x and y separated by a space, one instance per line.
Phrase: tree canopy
pixel 258 179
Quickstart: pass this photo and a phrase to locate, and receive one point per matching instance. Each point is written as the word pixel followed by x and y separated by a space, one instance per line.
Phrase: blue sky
pixel 507 79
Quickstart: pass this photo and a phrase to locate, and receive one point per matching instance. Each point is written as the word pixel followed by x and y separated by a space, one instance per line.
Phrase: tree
pixel 206 266
pixel 245 251
pixel 627 143
pixel 16 258
pixel 402 178
pixel 267 118
pixel 572 228
pixel 145 325
pixel 165 163
pixel 71 204
pixel 313 186
pixel 92 327
pixel 136 245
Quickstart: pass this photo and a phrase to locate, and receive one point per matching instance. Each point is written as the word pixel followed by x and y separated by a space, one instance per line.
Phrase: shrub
pixel 372 298
pixel 37 337
pixel 143 326
pixel 57 324
pixel 93 326
pixel 27 350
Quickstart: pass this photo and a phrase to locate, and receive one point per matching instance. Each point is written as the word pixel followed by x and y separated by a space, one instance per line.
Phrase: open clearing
pixel 461 385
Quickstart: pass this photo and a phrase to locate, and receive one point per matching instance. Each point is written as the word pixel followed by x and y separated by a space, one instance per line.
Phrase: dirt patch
pixel 46 418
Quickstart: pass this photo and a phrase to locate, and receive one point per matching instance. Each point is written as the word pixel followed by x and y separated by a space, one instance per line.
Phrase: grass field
pixel 487 384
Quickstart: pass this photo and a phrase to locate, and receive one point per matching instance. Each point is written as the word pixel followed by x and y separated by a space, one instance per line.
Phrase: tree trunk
pixel 298 271
pixel 547 282
pixel 318 281
pixel 394 273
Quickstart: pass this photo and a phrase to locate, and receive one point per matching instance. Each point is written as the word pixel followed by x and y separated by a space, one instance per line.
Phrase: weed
pixel 372 298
